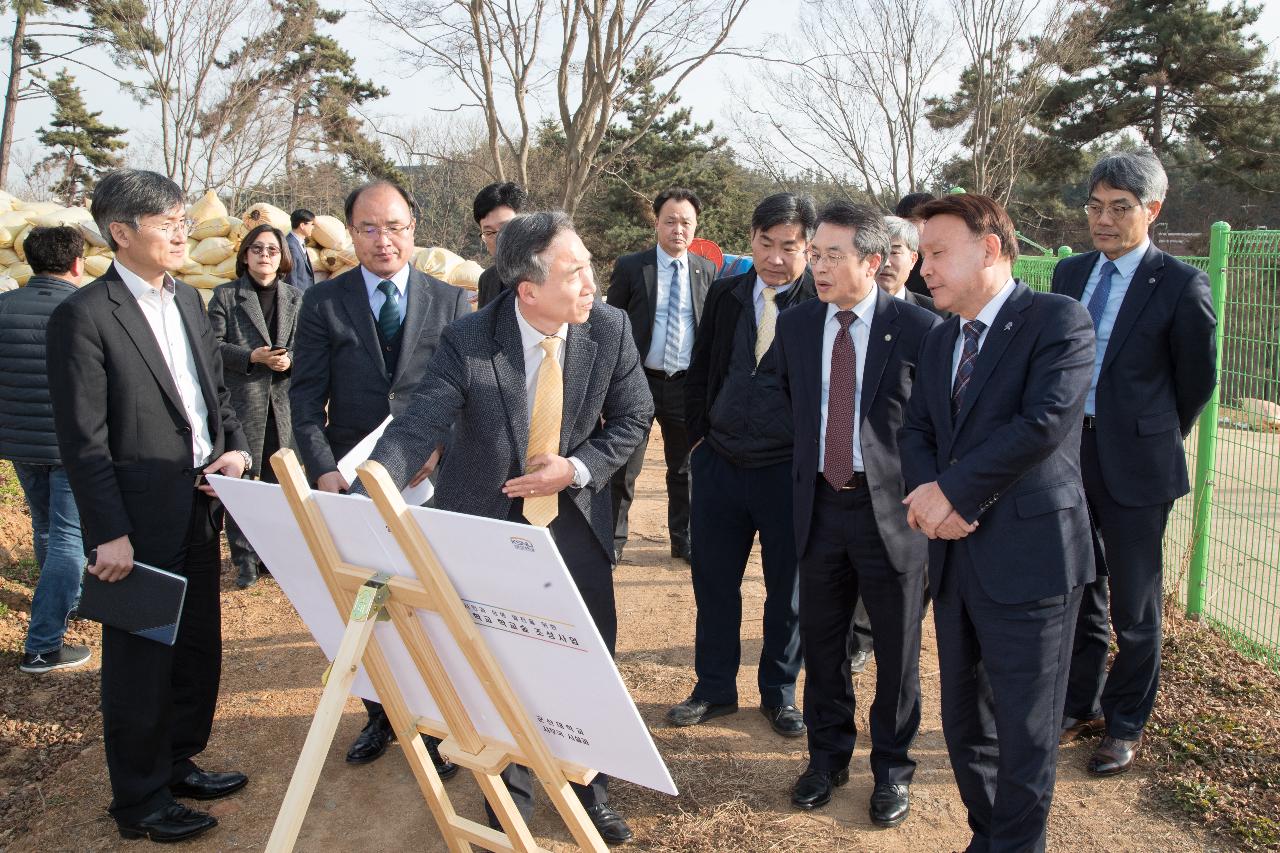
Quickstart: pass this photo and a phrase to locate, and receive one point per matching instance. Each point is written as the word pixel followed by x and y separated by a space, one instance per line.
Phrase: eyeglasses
pixel 490 232
pixel 831 259
pixel 1118 210
pixel 171 227
pixel 372 232
pixel 269 251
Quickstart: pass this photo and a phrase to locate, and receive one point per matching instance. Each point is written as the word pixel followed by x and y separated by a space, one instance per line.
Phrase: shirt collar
pixel 400 280
pixel 531 337
pixel 989 311
pixel 861 311
pixel 760 286
pixel 1127 264
pixel 137 285
pixel 665 261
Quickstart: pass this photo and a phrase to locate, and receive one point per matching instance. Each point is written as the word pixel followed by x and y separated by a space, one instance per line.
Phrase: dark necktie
pixel 837 457
pixel 1098 302
pixel 389 314
pixel 964 371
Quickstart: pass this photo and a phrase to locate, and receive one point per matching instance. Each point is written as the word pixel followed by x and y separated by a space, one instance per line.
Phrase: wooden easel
pixel 369 596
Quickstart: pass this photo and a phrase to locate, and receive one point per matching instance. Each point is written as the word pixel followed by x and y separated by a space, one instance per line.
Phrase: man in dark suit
pixel 544 397
pixel 990 456
pixel 494 206
pixel 907 208
pixel 303 222
pixel 141 415
pixel 740 424
pixel 662 289
pixel 847 363
pixel 362 345
pixel 1153 372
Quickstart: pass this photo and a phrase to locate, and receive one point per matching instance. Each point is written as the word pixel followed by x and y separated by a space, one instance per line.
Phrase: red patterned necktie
pixel 964 371
pixel 837 457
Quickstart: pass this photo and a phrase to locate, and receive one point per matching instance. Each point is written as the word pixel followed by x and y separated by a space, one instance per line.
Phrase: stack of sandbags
pixel 448 267
pixel 211 250
pixel 333 252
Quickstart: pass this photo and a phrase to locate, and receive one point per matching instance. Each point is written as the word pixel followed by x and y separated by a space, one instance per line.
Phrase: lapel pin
pixel 1008 327
pixel 1151 280
pixel 888 337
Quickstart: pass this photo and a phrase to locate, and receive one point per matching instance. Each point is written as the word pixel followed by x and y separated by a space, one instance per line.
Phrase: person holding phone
pixel 253 319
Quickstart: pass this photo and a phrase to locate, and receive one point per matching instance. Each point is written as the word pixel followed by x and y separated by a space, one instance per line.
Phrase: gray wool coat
pixel 240 328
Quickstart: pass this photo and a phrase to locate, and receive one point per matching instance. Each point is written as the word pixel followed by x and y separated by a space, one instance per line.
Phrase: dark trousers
pixel 158 701
pixel 1132 543
pixel 1004 677
pixel 730 505
pixel 243 557
pixel 845 561
pixel 592 573
pixel 860 639
pixel 668 410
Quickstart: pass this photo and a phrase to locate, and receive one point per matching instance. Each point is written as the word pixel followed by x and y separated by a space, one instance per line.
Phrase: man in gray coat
pixel 361 347
pixel 545 362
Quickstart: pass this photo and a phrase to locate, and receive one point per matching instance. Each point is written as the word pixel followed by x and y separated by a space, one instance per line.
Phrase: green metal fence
pixel 1222 546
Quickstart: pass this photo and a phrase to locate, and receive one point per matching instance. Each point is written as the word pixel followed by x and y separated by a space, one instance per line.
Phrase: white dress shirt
pixel 658 345
pixel 534 354
pixel 757 295
pixel 377 297
pixel 1126 266
pixel 988 316
pixel 162 315
pixel 860 330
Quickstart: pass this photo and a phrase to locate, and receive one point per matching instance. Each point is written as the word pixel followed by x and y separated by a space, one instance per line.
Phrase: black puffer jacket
pixel 26 415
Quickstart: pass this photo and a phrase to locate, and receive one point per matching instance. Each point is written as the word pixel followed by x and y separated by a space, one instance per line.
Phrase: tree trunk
pixel 11 96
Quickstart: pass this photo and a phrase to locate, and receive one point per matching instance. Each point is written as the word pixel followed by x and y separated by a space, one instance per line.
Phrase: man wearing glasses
pixel 362 345
pixel 1153 372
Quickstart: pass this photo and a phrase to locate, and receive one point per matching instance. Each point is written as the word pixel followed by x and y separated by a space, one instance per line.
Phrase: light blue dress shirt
pixel 1126 266
pixel 377 297
pixel 658 345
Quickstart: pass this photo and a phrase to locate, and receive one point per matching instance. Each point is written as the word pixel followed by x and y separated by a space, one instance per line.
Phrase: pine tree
pixel 82 145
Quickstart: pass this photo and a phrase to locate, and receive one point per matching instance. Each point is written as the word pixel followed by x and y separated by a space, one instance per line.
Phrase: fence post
pixel 1207 439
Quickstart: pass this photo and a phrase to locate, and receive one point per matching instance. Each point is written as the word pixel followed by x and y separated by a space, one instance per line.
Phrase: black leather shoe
pixel 785 719
pixel 682 551
pixel 693 711
pixel 859 661
pixel 372 742
pixel 1074 729
pixel 174 822
pixel 890 804
pixel 199 785
pixel 813 788
pixel 444 767
pixel 612 828
pixel 247 577
pixel 1114 756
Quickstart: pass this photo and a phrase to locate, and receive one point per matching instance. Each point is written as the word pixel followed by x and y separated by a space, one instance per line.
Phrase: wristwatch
pixel 248 461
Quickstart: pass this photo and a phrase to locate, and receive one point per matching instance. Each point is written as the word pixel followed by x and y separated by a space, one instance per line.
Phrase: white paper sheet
pixel 413 495
pixel 514 583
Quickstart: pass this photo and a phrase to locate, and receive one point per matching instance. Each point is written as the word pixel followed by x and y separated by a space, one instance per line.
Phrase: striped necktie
pixel 964 371
pixel 674 343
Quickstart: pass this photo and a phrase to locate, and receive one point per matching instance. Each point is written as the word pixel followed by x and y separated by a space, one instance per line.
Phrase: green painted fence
pixel 1222 546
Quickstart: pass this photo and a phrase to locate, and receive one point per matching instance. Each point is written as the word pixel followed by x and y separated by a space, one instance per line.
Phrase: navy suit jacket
pixel 897 336
pixel 339 392
pixel 301 276
pixel 633 287
pixel 1011 459
pixel 1158 373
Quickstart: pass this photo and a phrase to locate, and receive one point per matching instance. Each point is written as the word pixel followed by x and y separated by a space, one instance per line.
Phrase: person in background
pixel 494 207
pixel 253 319
pixel 28 440
pixel 301 275
pixel 906 209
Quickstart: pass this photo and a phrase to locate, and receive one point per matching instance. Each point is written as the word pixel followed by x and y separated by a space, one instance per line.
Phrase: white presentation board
pixel 514 583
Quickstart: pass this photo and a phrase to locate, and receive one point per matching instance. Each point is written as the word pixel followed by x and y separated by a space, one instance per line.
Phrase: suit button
pixel 955 461
pixel 183 430
pixel 391 396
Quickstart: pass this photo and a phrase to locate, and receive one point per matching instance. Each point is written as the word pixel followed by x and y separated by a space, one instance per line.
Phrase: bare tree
pixel 586 57
pixel 846 100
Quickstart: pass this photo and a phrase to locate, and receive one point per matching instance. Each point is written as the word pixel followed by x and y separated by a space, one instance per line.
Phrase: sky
pixel 419 96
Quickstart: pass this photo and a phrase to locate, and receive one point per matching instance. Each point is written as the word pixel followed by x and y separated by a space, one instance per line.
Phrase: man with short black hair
pixel 28 440
pixel 494 207
pixel 740 425
pixel 303 223
pixel 1153 372
pixel 662 289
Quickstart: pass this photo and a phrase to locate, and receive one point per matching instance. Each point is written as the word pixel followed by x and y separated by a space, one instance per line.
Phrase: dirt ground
pixel 734 774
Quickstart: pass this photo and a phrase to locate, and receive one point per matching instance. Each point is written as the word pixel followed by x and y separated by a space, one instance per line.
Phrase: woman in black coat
pixel 254 318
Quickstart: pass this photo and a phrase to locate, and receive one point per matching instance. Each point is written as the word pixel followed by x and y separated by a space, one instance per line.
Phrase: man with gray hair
pixel 904 252
pixel 142 415
pixel 500 386
pixel 1154 371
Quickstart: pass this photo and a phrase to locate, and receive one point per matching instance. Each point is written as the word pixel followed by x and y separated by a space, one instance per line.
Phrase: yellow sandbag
pixel 436 261
pixel 206 295
pixel 203 281
pixel 330 233
pixel 96 265
pixel 36 209
pixel 19 239
pixel 219 226
pixel 226 269
pixel 208 207
pixel 13 220
pixel 465 275
pixel 212 250
pixel 265 213
pixel 6 238
pixel 72 216
pixel 8 257
pixel 7 202
pixel 92 237
pixel 19 273
pixel 96 251
pixel 190 267
pixel 314 254
pixel 335 259
pixel 237 232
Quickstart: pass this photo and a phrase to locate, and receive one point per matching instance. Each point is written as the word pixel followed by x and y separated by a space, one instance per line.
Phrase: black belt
pixel 662 374
pixel 1090 422
pixel 857 481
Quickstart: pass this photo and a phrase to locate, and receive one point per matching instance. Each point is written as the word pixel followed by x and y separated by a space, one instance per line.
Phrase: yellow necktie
pixel 544 428
pixel 764 335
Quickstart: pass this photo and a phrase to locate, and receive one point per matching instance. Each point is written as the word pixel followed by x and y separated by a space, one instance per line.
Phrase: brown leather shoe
pixel 1113 756
pixel 1074 730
